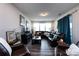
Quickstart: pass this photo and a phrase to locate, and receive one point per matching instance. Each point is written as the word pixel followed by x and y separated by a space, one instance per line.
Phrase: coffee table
pixel 36 40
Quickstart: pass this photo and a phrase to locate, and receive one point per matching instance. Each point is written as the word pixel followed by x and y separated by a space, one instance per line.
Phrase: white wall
pixel 9 19
pixel 75 26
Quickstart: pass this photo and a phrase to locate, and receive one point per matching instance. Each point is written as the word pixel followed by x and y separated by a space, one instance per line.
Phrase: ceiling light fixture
pixel 43 14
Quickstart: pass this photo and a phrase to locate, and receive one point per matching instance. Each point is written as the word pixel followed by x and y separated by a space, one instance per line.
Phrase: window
pixel 48 26
pixel 36 26
pixel 42 26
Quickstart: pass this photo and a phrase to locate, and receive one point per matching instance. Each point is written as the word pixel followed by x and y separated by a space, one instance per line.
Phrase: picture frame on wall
pixel 22 20
pixel 10 37
pixel 22 23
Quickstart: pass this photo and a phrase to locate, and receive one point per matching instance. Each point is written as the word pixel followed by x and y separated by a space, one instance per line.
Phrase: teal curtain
pixel 64 27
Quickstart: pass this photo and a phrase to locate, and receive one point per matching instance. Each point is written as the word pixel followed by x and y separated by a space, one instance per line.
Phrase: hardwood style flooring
pixel 43 49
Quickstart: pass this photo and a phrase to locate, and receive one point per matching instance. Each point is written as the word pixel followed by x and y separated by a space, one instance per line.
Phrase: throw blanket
pixel 73 50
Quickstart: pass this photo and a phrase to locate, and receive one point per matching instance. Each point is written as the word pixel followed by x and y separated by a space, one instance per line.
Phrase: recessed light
pixel 43 14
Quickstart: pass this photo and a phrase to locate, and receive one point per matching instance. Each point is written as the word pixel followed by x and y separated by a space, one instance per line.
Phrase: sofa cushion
pixel 6 45
pixel 3 51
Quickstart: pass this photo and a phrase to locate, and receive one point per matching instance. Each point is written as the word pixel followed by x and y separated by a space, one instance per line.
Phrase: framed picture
pixel 22 20
pixel 10 36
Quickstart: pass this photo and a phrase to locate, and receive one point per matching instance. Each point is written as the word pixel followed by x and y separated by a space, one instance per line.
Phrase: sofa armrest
pixel 17 46
pixel 20 50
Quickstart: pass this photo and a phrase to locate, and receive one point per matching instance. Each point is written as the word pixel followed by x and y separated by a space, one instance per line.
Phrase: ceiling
pixel 54 10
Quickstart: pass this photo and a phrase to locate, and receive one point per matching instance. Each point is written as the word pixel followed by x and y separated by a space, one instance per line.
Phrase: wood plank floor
pixel 43 49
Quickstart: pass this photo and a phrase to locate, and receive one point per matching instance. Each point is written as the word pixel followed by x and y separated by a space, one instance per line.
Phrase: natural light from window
pixel 42 26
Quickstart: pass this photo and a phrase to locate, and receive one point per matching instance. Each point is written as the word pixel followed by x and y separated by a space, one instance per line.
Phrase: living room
pixel 39 29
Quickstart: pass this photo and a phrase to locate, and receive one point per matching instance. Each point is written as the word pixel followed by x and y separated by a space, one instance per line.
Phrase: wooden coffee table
pixel 36 40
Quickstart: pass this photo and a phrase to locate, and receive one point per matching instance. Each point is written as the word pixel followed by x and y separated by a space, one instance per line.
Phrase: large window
pixel 42 26
pixel 36 26
pixel 48 26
